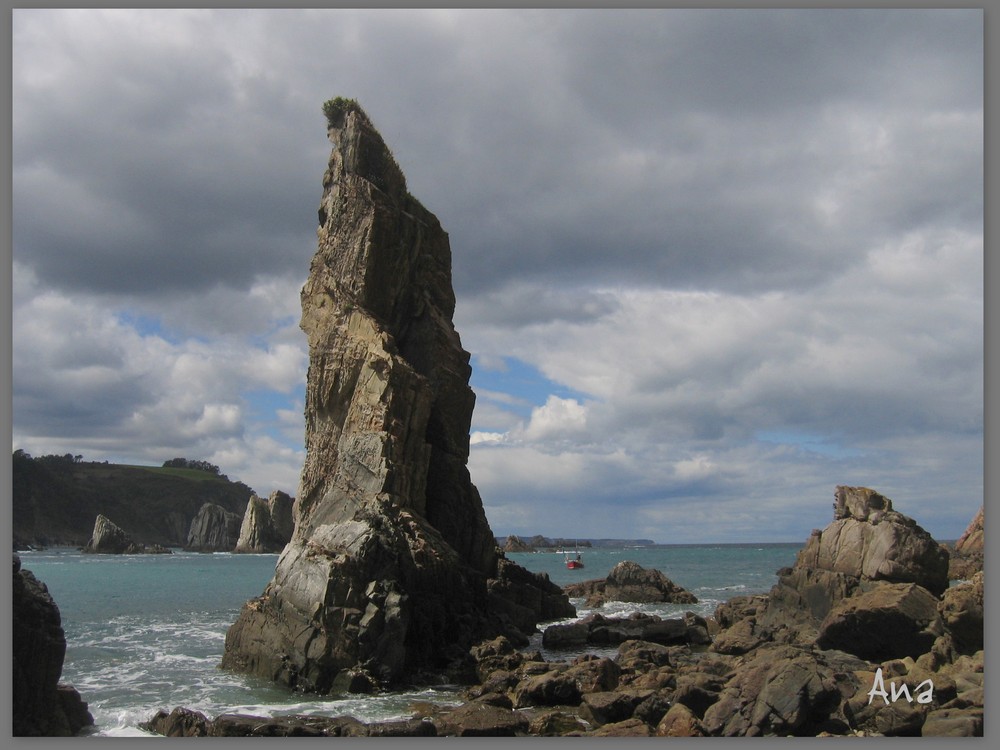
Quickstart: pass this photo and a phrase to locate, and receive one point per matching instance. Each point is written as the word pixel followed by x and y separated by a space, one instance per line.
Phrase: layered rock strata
pixel 388 573
pixel 214 529
pixel 42 706
pixel 110 539
pixel 267 525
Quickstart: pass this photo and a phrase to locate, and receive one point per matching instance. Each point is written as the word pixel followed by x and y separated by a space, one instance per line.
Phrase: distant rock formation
pixel 630 582
pixel 967 557
pixel 55 500
pixel 392 570
pixel 267 524
pixel 110 539
pixel 42 707
pixel 214 529
pixel 516 544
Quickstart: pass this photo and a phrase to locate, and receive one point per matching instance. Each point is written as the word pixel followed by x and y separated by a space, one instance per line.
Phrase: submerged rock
pixel 387 572
pixel 630 582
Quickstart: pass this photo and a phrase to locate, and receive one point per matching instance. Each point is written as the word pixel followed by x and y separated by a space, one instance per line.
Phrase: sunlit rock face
pixel 392 570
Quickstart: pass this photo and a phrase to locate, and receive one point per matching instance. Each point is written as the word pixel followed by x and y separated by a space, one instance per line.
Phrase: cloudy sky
pixel 709 264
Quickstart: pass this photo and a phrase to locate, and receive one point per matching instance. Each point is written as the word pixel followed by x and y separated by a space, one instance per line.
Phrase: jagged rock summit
pixel 392 570
pixel 110 539
pixel 267 525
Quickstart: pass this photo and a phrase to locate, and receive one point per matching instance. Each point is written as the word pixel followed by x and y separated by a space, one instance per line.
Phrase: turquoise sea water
pixel 146 632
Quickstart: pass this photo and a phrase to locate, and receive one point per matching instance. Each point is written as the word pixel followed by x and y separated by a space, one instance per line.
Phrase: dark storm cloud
pixel 669 147
pixel 742 250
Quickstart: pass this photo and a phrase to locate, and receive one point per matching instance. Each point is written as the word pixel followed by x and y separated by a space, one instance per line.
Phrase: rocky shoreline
pixel 808 659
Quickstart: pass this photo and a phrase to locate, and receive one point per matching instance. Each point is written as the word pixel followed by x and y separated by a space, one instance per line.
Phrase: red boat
pixel 577 563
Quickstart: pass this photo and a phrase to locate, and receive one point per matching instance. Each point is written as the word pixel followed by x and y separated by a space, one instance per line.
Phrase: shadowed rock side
pixel 214 529
pixel 42 706
pixel 388 573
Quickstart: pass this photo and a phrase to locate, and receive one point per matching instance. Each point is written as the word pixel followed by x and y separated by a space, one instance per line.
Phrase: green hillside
pixel 56 499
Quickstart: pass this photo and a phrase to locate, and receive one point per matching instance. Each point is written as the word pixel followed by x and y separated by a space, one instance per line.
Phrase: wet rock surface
pixel 887 658
pixel 630 582
pixel 42 706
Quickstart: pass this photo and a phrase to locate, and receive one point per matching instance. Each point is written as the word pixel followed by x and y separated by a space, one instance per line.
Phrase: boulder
pixel 110 539
pixel 388 570
pixel 871 541
pixel 630 582
pixel 596 629
pixel 42 707
pixel 867 544
pixel 214 529
pixel 181 722
pixel 626 728
pixel 608 707
pixel 891 621
pixel 680 721
pixel 967 557
pixel 478 719
pixel 267 525
pixel 961 608
pixel 785 691
pixel 953 722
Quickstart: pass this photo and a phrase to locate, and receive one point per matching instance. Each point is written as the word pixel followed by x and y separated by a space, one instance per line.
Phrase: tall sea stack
pixel 392 571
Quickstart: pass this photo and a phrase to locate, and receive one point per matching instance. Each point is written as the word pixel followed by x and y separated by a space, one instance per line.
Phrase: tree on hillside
pixel 189 463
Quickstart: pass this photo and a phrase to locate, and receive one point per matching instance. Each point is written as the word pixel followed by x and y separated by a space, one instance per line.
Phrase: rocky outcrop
pixel 516 544
pixel 867 544
pixel 387 573
pixel 267 525
pixel 630 582
pixel 885 659
pixel 967 557
pixel 595 629
pixel 214 529
pixel 868 540
pixel 891 621
pixel 110 539
pixel 41 705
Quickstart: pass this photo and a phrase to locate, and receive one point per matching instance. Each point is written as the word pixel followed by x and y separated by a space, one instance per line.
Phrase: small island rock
pixel 630 582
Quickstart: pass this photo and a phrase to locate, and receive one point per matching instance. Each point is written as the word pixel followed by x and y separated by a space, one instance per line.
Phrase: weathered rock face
pixel 110 539
pixel 386 573
pixel 869 540
pixel 267 525
pixel 214 529
pixel 967 559
pixel 41 706
pixel 630 582
pixel 892 621
pixel 867 543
